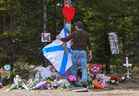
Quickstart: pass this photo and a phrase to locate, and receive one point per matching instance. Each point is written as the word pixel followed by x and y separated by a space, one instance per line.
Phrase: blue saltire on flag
pixel 59 53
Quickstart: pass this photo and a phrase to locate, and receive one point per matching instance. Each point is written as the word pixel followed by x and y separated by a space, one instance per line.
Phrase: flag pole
pixel 68 25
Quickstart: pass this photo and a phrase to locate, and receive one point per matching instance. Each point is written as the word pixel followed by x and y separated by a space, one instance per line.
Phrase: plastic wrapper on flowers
pixel 101 81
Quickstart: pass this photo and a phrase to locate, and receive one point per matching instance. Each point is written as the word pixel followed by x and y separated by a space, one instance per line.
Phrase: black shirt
pixel 80 40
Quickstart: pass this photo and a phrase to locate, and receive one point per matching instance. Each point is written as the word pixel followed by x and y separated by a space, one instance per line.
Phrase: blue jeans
pixel 79 57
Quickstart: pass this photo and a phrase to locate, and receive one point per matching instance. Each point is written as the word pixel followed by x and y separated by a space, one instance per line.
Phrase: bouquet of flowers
pixel 72 78
pixel 94 69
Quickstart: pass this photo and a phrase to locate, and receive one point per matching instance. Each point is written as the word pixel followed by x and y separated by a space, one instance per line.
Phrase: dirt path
pixel 129 92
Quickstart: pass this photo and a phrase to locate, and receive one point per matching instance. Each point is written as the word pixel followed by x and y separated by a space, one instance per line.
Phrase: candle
pixel 127 60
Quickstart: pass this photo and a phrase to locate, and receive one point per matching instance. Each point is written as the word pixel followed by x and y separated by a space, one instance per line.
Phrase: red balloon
pixel 69 13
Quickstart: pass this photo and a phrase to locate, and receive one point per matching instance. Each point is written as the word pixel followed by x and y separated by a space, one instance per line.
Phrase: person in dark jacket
pixel 80 46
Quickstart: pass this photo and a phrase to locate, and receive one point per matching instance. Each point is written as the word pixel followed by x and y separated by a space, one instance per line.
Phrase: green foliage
pixel 99 16
pixel 104 16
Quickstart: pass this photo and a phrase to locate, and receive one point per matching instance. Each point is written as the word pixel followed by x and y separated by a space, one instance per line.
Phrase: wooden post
pixel 44 16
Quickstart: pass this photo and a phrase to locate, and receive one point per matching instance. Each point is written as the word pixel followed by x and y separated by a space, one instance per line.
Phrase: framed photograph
pixel 45 37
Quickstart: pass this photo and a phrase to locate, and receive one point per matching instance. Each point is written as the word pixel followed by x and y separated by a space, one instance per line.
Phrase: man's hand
pixel 90 57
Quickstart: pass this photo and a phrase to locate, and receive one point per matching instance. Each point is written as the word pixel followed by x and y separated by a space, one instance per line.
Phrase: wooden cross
pixel 127 63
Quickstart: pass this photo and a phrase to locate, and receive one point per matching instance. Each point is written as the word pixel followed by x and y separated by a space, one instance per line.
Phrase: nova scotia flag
pixel 59 53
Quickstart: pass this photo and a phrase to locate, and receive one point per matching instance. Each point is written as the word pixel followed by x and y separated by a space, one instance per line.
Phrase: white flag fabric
pixel 113 39
pixel 64 33
pixel 59 53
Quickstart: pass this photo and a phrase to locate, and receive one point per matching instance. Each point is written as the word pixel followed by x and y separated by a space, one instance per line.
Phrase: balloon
pixel 68 12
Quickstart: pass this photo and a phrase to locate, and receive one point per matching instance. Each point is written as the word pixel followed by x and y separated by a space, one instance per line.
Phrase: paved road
pixel 69 93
